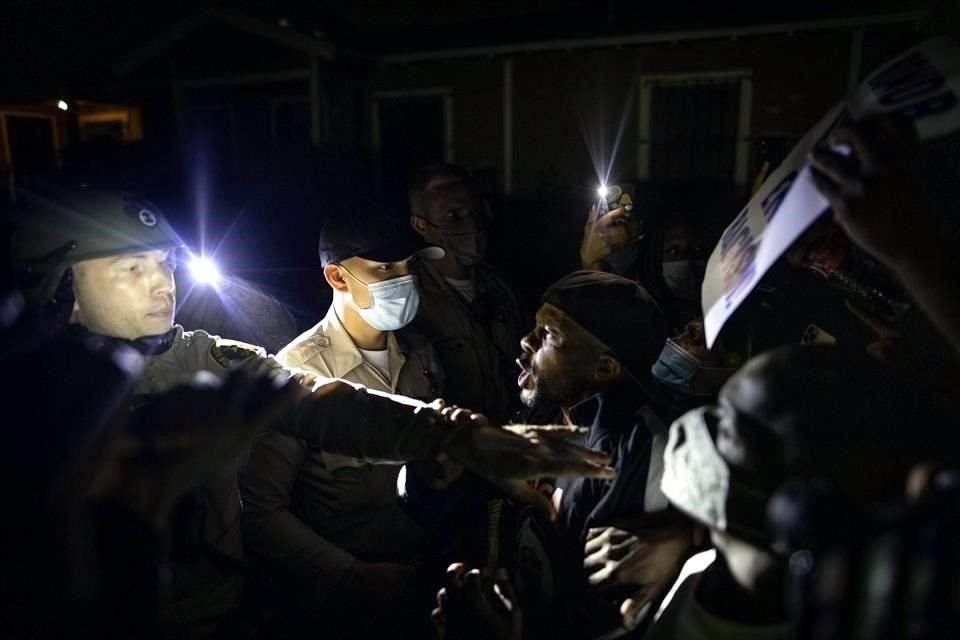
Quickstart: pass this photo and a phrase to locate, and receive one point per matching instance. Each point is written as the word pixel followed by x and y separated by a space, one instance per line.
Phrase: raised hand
pixel 602 236
pixel 881 206
pixel 511 456
pixel 872 192
pixel 645 557
pixel 189 435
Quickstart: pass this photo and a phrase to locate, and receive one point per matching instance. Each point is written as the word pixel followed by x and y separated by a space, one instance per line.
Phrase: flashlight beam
pixel 204 270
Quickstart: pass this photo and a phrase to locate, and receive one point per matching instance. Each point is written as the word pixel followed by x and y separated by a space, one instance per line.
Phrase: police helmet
pixel 52 232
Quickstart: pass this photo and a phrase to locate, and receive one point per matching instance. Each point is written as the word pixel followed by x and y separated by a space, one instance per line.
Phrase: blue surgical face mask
pixel 686 374
pixel 393 303
pixel 675 367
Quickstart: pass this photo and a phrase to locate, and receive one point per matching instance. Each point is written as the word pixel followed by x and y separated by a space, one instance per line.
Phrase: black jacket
pixel 621 424
pixel 475 524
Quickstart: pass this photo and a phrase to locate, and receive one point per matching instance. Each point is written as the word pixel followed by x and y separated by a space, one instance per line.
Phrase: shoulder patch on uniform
pixel 317 342
pixel 299 351
pixel 225 352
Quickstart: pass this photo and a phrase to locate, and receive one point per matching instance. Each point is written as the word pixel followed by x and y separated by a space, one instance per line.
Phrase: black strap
pixel 145 345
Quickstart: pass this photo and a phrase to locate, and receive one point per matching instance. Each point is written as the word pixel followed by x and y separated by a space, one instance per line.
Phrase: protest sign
pixel 922 84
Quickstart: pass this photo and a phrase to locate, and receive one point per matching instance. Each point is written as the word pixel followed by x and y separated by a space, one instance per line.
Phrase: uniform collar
pixel 343 356
pixel 145 345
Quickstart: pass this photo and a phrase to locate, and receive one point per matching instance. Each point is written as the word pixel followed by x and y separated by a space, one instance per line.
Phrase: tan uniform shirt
pixel 312 511
pixel 477 342
pixel 203 587
pixel 190 352
pixel 207 579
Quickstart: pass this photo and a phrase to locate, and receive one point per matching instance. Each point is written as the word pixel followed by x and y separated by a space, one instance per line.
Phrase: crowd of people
pixel 431 459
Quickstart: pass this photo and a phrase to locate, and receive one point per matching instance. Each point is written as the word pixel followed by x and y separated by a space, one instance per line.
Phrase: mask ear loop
pixel 365 285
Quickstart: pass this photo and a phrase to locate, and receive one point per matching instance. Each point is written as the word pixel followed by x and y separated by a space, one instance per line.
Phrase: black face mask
pixel 684 278
pixel 623 261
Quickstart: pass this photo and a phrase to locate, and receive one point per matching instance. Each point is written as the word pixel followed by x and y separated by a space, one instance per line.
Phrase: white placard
pixel 922 84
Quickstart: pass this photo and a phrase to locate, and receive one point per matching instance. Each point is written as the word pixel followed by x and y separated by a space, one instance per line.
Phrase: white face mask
pixel 393 303
pixel 696 478
pixel 466 248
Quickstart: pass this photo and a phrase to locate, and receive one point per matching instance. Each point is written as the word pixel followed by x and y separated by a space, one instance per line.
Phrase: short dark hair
pixel 418 186
pixel 815 400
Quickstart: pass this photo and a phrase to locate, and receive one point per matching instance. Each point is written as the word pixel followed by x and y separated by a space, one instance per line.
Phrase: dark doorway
pixel 31 144
pixel 292 123
pixel 412 132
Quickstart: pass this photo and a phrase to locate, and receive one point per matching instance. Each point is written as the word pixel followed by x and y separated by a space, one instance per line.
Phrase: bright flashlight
pixel 204 270
pixel 62 105
pixel 603 191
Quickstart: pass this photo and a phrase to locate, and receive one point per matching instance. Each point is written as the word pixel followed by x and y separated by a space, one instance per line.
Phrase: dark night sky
pixel 60 46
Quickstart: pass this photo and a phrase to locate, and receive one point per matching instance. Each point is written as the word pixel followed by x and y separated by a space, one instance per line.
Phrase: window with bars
pixel 695 126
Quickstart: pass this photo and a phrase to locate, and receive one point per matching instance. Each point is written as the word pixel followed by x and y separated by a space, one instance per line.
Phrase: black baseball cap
pixel 375 237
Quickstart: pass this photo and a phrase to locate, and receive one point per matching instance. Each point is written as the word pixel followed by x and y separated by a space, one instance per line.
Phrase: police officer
pixel 96 483
pixel 469 313
pixel 333 521
pixel 115 253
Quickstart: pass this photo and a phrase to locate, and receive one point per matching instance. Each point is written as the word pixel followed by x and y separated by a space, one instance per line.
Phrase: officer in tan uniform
pixel 331 520
pixel 468 312
pixel 114 254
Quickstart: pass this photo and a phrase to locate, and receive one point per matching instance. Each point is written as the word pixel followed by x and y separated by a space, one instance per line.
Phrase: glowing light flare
pixel 204 270
pixel 602 191
pixel 601 137
pixel 62 105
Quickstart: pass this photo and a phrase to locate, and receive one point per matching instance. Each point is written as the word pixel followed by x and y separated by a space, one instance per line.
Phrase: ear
pixel 608 369
pixel 419 224
pixel 334 277
pixel 75 309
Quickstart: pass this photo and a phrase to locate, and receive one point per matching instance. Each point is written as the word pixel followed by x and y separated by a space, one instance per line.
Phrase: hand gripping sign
pixel 922 84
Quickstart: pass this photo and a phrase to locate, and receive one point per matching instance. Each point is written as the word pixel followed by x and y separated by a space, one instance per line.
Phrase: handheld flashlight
pixel 603 193
pixel 615 196
pixel 612 196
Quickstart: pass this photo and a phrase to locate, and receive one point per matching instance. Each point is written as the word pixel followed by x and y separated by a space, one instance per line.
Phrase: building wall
pixel 476 85
pixel 568 106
